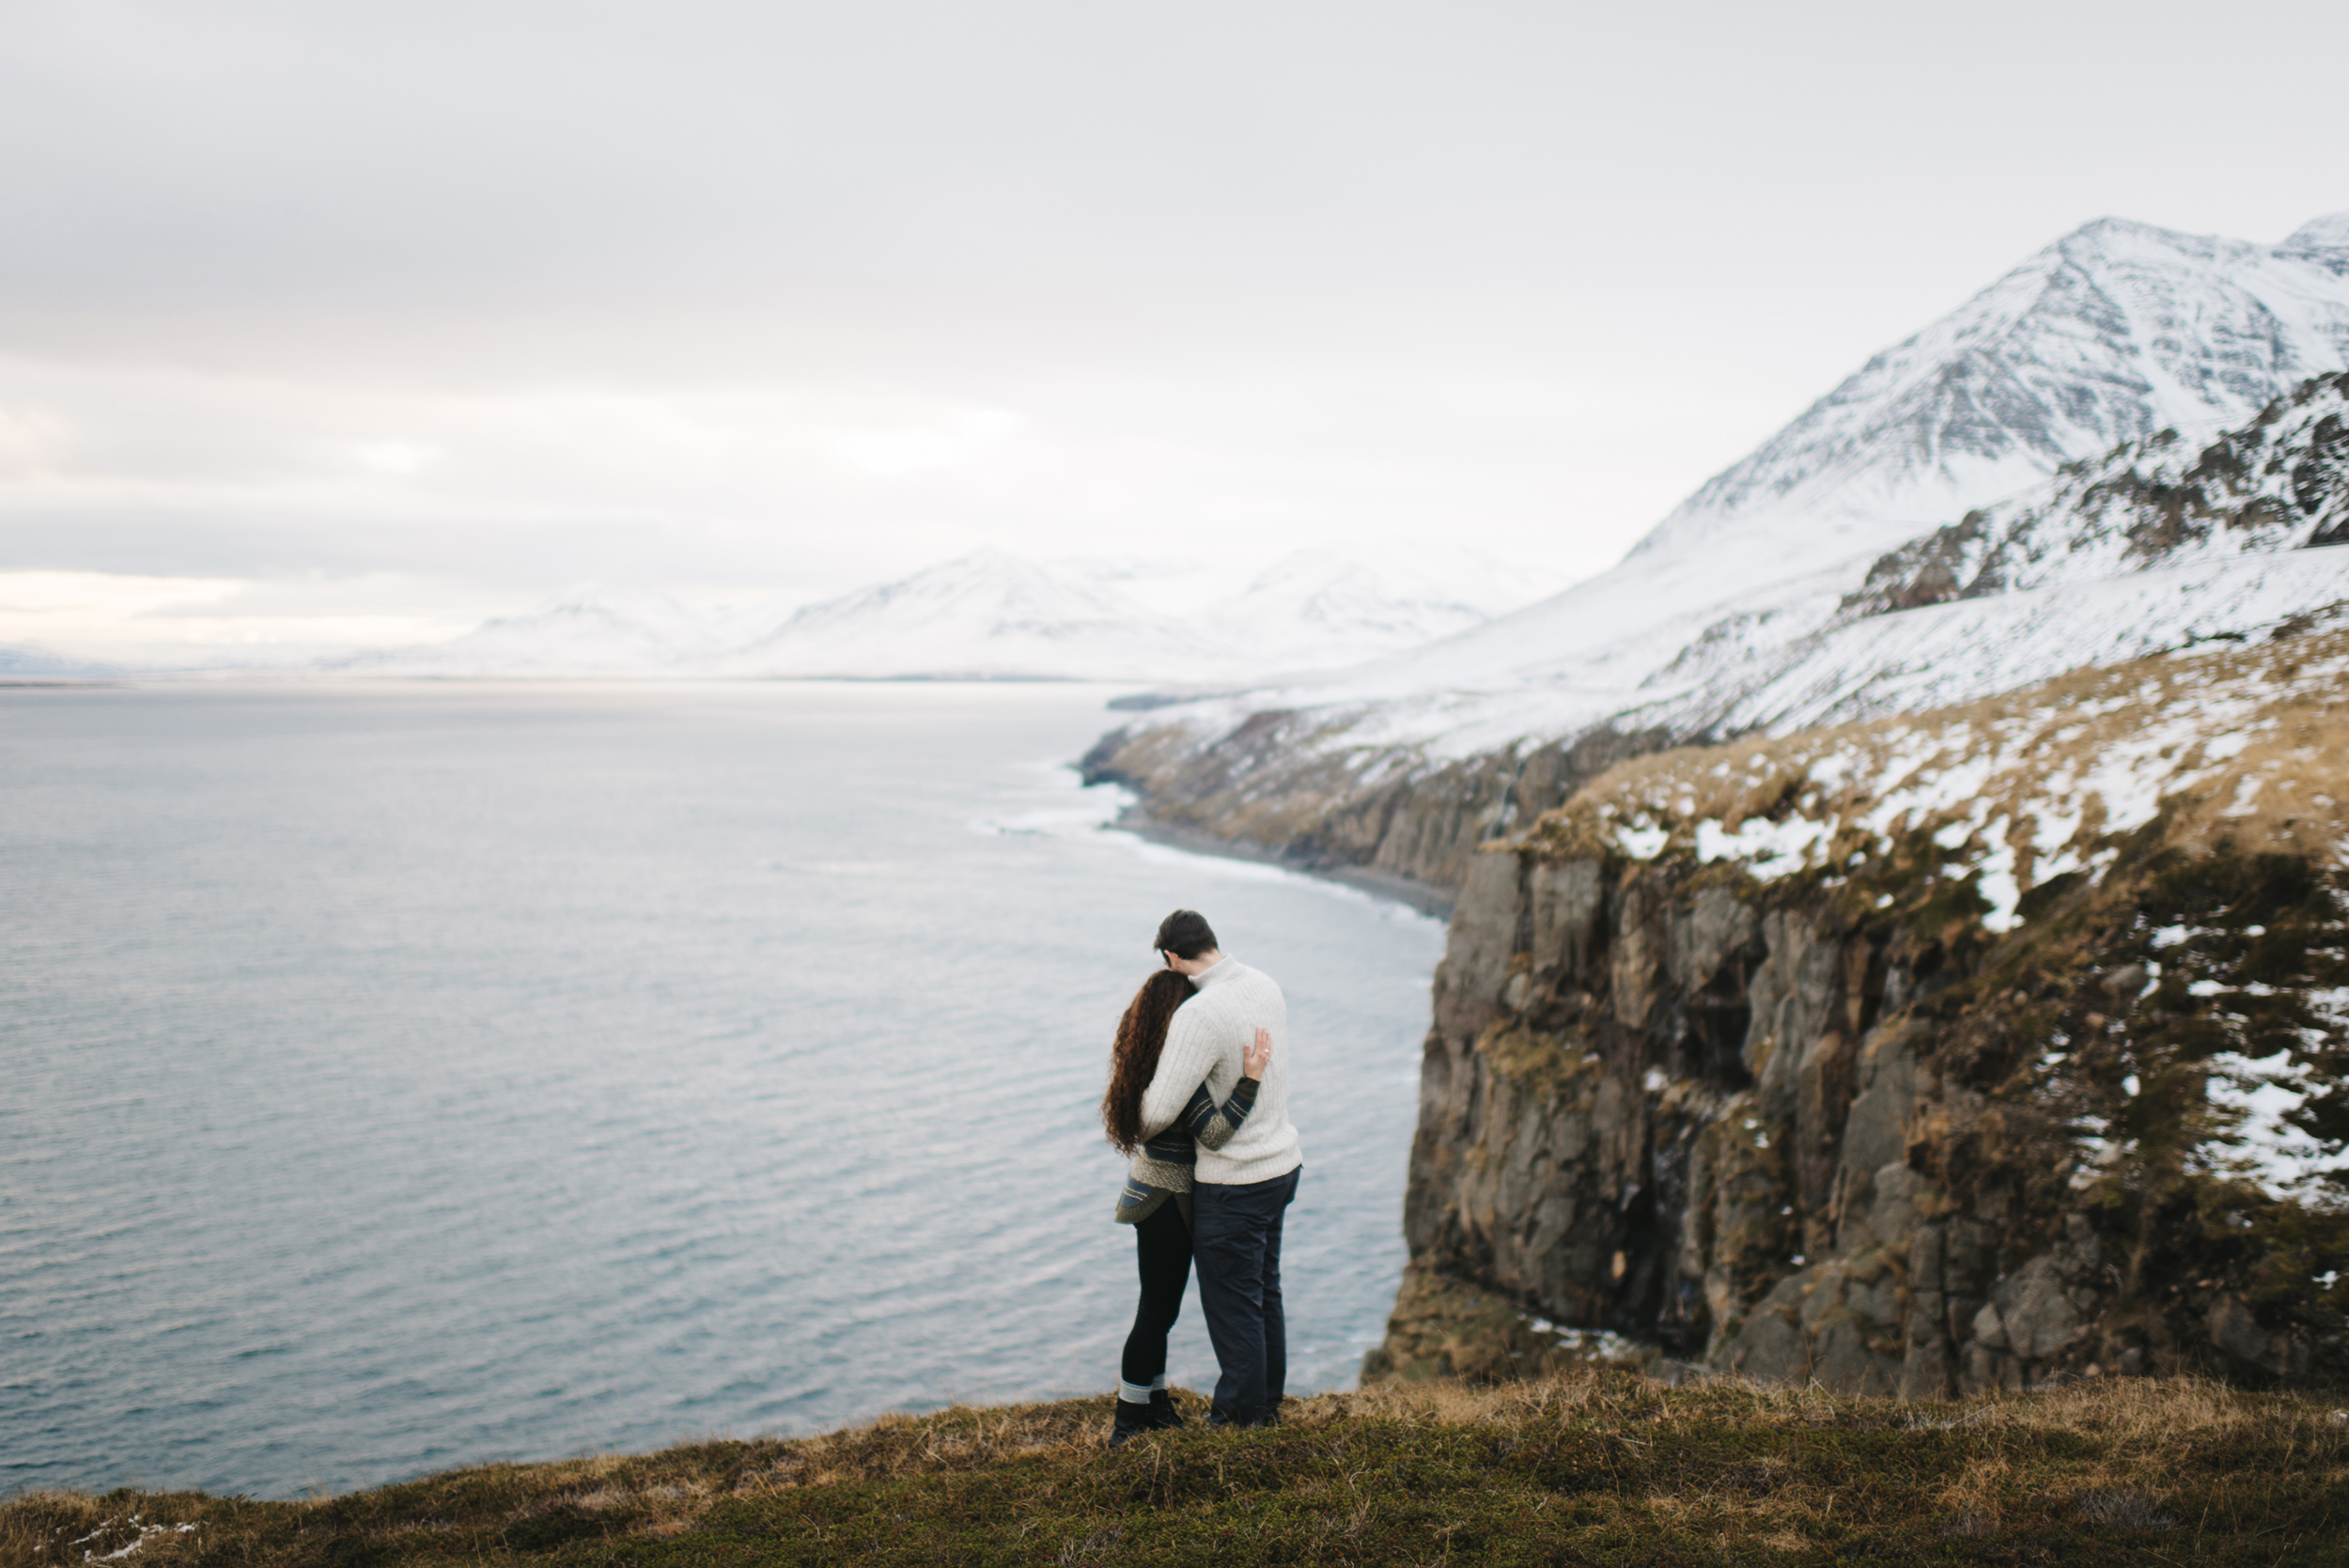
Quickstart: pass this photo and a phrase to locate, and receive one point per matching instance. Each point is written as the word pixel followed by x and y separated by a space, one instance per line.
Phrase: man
pixel 1239 1190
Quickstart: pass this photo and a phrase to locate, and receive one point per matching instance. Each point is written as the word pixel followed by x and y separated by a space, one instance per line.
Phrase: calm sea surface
pixel 401 1076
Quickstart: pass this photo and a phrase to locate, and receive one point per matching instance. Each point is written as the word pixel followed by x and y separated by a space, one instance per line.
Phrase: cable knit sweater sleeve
pixel 1192 1052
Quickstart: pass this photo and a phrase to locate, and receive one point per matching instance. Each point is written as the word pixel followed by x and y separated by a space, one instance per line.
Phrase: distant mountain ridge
pixel 1325 607
pixel 988 615
pixel 993 616
pixel 588 629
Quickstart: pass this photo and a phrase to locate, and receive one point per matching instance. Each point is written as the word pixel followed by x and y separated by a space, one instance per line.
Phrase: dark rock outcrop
pixel 2280 482
pixel 1267 787
pixel 1832 1129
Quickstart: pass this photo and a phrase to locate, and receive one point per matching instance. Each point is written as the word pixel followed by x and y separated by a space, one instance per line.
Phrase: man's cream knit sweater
pixel 1204 1042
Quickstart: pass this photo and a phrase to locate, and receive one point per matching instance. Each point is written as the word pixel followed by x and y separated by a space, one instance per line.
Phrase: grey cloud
pixel 1245 274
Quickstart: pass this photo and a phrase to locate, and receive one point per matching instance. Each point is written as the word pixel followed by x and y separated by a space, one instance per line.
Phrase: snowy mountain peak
pixel 597 599
pixel 2328 233
pixel 987 615
pixel 994 614
pixel 590 629
pixel 2278 483
pixel 2114 332
pixel 1728 612
pixel 1341 604
pixel 992 583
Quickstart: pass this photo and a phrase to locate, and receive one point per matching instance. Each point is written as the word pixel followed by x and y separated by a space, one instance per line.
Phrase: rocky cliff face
pixel 1264 787
pixel 1964 1051
pixel 2280 482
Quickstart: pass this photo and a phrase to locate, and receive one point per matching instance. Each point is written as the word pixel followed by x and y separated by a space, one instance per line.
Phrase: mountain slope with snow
pixel 1746 609
pixel 991 615
pixel 1335 606
pixel 987 615
pixel 2115 331
pixel 2280 482
pixel 2165 543
pixel 592 628
pixel 2118 327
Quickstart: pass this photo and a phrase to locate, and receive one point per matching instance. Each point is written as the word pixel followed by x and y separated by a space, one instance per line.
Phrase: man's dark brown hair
pixel 1185 934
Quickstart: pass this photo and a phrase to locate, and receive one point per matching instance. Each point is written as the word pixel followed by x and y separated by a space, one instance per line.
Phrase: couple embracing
pixel 1198 1096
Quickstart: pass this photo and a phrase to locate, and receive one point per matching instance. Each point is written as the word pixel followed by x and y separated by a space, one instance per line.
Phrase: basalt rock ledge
pixel 1990 1046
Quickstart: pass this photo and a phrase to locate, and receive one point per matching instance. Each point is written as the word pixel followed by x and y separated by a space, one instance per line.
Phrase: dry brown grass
pixel 2071 752
pixel 1589 1466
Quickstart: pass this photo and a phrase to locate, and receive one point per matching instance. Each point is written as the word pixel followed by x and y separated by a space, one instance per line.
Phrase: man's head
pixel 1186 942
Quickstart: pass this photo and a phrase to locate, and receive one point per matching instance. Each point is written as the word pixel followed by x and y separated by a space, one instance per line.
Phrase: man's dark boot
pixel 1163 1415
pixel 1132 1420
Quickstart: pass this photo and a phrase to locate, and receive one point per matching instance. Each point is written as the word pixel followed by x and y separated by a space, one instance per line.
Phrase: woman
pixel 1156 1200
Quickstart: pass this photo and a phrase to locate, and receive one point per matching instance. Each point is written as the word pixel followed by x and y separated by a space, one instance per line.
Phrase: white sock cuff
pixel 1158 1383
pixel 1132 1393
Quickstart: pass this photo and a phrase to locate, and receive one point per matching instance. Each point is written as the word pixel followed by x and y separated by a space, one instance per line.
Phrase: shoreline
pixel 1390 885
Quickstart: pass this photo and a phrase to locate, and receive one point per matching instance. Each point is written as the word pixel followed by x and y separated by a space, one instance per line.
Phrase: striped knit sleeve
pixel 1214 1124
pixel 1183 1066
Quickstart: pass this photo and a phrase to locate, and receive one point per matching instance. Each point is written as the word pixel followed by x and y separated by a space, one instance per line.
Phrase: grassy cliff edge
pixel 1590 1465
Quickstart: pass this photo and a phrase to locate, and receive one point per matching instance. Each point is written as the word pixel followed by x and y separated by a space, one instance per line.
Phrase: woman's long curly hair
pixel 1141 1035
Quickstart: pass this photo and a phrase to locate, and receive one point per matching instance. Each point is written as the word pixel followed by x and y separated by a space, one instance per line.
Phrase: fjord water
pixel 399 1076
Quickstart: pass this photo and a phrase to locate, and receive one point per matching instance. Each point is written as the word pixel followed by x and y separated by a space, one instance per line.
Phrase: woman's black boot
pixel 1163 1415
pixel 1132 1420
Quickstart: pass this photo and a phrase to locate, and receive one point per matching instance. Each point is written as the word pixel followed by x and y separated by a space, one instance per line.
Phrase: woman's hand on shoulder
pixel 1257 1057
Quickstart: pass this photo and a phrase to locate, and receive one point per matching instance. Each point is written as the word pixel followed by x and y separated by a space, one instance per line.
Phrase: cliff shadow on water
pixel 1756 1057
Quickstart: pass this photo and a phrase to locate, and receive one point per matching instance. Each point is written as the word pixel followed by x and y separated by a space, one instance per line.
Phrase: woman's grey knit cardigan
pixel 1162 1169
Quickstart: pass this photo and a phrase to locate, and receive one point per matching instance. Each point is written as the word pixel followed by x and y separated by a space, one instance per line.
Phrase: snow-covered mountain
pixel 592 628
pixel 991 615
pixel 2113 333
pixel 1320 608
pixel 988 615
pixel 2164 544
pixel 2280 482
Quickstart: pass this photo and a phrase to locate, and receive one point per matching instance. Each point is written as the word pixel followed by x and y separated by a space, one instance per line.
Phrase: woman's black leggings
pixel 1163 1248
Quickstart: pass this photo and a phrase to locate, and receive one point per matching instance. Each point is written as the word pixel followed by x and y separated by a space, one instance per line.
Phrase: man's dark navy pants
pixel 1236 1241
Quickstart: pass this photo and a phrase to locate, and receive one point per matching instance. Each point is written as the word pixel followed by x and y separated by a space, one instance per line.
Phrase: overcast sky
pixel 329 323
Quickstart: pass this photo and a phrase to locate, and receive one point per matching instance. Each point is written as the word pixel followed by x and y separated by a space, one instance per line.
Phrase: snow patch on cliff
pixel 2012 791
